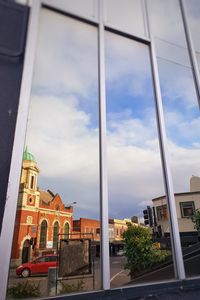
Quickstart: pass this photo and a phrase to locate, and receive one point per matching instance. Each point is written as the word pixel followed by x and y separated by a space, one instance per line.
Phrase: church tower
pixel 28 192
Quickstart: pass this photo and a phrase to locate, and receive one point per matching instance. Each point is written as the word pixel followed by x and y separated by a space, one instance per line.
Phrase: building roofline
pixel 178 194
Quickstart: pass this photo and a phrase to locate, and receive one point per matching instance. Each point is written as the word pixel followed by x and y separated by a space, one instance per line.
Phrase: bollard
pixel 51 284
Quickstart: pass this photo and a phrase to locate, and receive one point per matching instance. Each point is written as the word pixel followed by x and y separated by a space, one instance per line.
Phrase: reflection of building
pixel 87 228
pixel 186 204
pixel 119 226
pixel 90 228
pixel 116 229
pixel 41 215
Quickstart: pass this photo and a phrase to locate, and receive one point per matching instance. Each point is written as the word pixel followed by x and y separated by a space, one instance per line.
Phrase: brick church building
pixel 41 215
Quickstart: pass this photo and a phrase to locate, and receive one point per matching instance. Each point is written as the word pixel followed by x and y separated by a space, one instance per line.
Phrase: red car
pixel 37 266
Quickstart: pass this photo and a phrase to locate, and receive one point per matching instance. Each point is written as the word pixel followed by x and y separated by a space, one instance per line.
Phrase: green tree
pixel 140 251
pixel 196 219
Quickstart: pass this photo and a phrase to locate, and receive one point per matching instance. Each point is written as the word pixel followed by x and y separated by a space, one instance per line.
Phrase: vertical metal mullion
pixel 191 50
pixel 105 261
pixel 18 145
pixel 145 22
pixel 174 230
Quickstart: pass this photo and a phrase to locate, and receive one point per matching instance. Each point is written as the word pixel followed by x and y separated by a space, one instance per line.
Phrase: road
pixel 118 276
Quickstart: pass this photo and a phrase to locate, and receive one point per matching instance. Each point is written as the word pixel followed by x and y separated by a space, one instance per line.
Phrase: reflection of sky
pixel 90 107
pixel 131 20
pixel 180 103
pixel 65 105
pixel 183 129
pixel 166 21
pixel 63 121
pixel 133 151
pixel 123 98
pixel 181 110
pixel 193 11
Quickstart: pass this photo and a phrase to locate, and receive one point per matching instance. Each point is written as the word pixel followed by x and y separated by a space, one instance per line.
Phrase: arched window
pixel 55 234
pixel 43 234
pixel 66 230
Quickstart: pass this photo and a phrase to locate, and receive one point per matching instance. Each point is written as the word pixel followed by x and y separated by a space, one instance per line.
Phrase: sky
pixel 63 131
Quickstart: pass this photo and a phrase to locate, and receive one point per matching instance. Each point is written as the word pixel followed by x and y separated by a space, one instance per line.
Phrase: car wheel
pixel 25 273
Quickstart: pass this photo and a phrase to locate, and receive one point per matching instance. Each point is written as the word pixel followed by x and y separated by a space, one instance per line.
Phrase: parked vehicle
pixel 120 252
pixel 38 266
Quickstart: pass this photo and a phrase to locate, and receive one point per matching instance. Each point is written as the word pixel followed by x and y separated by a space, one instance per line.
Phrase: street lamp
pixel 70 205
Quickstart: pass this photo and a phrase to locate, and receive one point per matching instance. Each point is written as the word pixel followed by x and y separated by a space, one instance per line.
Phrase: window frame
pixel 56 228
pixel 159 212
pixel 182 208
pixel 14 177
pixel 66 229
pixel 43 233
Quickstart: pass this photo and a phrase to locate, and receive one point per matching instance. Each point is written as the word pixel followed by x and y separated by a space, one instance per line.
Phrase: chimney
pixel 195 184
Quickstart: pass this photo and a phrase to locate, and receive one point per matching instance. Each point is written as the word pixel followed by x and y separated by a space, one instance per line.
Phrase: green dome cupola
pixel 28 156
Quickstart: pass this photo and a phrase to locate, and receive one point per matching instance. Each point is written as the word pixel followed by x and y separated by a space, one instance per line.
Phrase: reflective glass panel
pixel 135 182
pixel 182 119
pixel 59 187
pixel 125 15
pixel 86 8
pixel 193 12
pixel 168 31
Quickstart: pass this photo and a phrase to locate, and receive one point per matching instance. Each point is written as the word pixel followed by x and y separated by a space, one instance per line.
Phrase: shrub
pixel 71 288
pixel 140 251
pixel 196 219
pixel 24 289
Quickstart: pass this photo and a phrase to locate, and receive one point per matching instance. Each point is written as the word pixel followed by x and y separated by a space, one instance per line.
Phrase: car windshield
pixel 41 259
pixel 45 259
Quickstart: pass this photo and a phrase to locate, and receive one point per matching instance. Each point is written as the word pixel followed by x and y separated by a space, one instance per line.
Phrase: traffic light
pixel 149 209
pixel 148 217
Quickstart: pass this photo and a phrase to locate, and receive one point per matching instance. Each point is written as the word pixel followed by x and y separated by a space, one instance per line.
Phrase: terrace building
pixel 186 204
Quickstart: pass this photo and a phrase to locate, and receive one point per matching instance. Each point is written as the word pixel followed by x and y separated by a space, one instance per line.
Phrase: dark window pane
pixel 43 234
pixel 55 234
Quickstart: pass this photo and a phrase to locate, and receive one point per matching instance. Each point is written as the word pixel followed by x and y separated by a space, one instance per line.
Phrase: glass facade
pixel 193 13
pixel 132 19
pixel 132 140
pixel 109 184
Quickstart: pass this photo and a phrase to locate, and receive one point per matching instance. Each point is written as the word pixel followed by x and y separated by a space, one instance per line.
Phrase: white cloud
pixel 127 60
pixel 184 163
pixel 66 61
pixel 66 148
pixel 64 139
pixel 177 84
pixel 184 128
